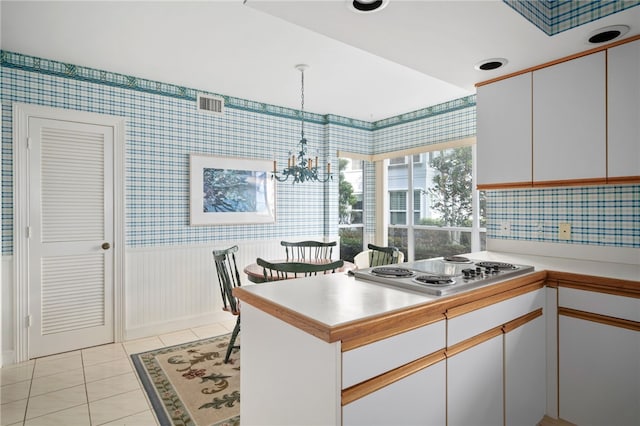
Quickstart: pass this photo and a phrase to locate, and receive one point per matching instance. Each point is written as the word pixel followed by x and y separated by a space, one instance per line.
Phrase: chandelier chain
pixel 302 100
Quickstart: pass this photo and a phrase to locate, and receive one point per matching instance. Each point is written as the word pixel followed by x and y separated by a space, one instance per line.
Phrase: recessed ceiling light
pixel 490 64
pixel 606 34
pixel 366 6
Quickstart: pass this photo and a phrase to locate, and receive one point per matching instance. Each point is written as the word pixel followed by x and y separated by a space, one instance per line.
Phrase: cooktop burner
pixel 392 272
pixel 496 265
pixel 456 259
pixel 440 276
pixel 434 279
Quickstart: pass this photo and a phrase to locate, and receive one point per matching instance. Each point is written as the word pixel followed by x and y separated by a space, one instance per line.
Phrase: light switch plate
pixel 564 231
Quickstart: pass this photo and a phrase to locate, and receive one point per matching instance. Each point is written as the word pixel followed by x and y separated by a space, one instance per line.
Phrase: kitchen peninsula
pixel 336 350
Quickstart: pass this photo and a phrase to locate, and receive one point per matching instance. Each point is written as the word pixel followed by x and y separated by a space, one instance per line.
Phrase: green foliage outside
pixel 350 243
pixel 346 197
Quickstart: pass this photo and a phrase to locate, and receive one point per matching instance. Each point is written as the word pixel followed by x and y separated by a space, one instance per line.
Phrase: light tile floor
pixel 88 387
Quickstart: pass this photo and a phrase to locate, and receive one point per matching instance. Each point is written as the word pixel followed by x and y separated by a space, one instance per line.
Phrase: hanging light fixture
pixel 301 168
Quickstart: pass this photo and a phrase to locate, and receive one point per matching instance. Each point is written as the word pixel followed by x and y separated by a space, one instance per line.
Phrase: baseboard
pixel 164 327
pixel 7 358
pixel 550 421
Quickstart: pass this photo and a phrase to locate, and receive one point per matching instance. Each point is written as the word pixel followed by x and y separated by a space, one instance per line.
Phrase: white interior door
pixel 71 197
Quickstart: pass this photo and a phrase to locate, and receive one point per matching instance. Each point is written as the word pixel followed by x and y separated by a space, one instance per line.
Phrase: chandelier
pixel 301 167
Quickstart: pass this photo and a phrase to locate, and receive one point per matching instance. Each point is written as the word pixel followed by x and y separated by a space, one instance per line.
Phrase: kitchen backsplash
pixel 607 215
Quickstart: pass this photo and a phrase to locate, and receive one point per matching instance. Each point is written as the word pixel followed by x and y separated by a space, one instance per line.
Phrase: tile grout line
pixel 26 406
pixel 86 391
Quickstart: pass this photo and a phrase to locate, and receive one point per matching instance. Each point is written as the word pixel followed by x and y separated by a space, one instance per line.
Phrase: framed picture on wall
pixel 227 190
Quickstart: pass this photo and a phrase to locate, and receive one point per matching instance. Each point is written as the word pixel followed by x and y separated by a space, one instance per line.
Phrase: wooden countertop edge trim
pixel 615 286
pixel 602 319
pixel 372 329
pixel 563 59
pixel 363 389
pixel 381 327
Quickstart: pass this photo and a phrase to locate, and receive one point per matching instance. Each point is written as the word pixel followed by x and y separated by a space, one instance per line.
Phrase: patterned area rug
pixel 190 385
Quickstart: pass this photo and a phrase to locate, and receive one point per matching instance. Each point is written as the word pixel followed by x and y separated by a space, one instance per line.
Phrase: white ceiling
pixel 410 55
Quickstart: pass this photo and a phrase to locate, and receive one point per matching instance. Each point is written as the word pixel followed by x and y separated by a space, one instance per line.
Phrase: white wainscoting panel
pixel 7 351
pixel 172 288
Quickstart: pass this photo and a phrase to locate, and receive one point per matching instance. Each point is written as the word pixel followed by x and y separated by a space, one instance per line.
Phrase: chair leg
pixel 236 330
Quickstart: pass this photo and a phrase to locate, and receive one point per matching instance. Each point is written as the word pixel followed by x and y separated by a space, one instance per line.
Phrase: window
pixel 351 207
pixel 444 204
pixel 398 207
pixel 403 160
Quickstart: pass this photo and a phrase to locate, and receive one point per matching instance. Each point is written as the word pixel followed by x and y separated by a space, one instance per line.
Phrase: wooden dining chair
pixel 379 256
pixel 308 251
pixel 288 270
pixel 228 279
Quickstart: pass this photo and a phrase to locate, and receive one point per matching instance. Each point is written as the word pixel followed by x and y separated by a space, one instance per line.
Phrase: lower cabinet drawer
pixel 477 321
pixel 371 360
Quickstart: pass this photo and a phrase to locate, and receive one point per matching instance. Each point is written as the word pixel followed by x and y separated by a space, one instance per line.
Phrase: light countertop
pixel 336 299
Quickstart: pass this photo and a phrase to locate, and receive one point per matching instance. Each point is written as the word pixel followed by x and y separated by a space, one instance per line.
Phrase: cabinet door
pixel 599 373
pixel 623 90
pixel 418 399
pixel 525 379
pixel 569 120
pixel 504 131
pixel 475 385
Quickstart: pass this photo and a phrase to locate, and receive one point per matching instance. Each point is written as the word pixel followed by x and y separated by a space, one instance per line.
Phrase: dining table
pixel 255 273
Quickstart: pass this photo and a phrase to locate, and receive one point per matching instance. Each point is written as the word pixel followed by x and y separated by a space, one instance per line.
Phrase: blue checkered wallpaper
pixel 163 128
pixel 440 123
pixel 555 16
pixel 599 215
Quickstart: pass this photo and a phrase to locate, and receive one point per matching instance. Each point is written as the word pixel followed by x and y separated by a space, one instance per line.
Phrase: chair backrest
pixel 287 270
pixel 228 277
pixel 308 251
pixel 379 256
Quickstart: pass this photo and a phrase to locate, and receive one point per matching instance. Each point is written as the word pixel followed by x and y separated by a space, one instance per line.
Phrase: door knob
pixel 106 246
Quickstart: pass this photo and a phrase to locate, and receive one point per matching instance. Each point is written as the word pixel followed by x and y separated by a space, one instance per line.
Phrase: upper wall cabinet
pixel 575 121
pixel 623 88
pixel 569 121
pixel 504 132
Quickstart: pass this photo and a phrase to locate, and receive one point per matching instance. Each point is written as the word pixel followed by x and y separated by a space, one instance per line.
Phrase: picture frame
pixel 225 191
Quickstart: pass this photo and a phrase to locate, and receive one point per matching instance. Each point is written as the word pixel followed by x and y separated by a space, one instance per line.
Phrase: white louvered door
pixel 71 221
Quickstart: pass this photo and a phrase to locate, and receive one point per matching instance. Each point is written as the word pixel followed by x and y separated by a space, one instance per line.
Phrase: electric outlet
pixel 505 229
pixel 564 231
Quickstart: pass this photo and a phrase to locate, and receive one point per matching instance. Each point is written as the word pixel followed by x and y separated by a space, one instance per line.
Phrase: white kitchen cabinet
pixel 504 131
pixel 599 360
pixel 599 373
pixel 283 363
pixel 525 363
pixel 474 385
pixel 371 360
pixel 418 399
pixel 504 377
pixel 623 91
pixel 569 120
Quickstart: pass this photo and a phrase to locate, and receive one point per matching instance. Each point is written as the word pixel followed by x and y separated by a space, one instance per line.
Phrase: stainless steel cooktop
pixel 442 276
